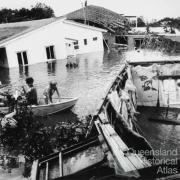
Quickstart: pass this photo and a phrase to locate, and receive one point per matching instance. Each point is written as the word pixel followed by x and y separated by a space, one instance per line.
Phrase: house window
pixel 138 42
pixel 22 58
pixel 50 52
pixel 85 41
pixel 94 38
pixel 76 45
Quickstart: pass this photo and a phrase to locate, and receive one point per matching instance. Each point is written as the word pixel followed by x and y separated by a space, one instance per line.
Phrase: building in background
pixel 133 20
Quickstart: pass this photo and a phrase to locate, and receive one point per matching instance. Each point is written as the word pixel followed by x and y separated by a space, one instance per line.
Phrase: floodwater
pixel 90 81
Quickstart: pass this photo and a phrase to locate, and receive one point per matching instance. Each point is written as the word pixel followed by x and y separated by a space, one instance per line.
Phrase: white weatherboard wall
pixel 80 33
pixel 54 34
pixel 35 44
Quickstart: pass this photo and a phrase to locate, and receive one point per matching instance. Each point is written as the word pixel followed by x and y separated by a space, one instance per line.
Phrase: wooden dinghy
pixel 48 109
pixel 84 158
pixel 97 157
pixel 104 156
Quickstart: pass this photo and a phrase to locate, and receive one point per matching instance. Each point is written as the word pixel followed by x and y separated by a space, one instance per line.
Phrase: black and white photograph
pixel 89 89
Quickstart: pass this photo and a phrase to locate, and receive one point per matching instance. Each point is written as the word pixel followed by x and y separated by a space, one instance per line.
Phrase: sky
pixel 149 9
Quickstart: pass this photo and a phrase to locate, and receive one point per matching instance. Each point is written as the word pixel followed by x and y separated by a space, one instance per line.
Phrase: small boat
pixel 48 109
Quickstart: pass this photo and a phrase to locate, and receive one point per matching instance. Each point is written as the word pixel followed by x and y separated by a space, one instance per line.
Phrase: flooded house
pixel 31 42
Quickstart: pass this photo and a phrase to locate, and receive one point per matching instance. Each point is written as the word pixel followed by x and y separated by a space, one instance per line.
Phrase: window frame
pixel 95 38
pixel 48 50
pixel 24 62
pixel 76 45
pixel 85 42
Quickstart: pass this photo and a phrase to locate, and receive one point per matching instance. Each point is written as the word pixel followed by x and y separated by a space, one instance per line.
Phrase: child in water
pixel 49 91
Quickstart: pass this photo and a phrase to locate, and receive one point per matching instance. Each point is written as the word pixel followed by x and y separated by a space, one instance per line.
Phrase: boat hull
pixel 44 110
pixel 48 109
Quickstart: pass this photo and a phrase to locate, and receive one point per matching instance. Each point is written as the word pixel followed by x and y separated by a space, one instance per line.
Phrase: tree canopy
pixel 140 22
pixel 168 23
pixel 39 11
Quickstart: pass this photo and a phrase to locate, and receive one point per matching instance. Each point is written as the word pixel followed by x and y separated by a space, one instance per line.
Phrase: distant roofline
pixel 106 18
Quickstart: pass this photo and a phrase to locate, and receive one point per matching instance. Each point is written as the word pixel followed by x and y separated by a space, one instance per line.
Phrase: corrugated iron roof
pixel 99 15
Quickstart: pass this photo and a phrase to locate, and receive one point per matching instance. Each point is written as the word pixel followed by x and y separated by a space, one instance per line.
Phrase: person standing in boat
pixel 49 91
pixel 31 92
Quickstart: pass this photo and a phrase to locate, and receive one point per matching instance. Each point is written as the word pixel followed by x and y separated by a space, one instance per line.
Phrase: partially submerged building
pixel 32 42
pixel 114 23
pixel 99 17
pixel 137 35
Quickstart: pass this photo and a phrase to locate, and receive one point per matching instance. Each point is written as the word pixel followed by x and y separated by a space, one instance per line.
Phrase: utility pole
pixel 84 11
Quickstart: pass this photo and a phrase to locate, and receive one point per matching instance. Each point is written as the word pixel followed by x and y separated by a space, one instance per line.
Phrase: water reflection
pixel 161 136
pixel 23 71
pixel 51 67
pixel 4 75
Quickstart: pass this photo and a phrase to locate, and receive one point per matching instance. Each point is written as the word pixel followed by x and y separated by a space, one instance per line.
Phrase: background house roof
pixel 10 31
pixel 99 16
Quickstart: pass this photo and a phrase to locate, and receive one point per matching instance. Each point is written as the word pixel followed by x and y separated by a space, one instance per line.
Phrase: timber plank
pixel 134 158
pixel 124 162
pixel 60 165
pixel 47 171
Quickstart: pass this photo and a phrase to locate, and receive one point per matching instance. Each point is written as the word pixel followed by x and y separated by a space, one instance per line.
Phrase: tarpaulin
pixel 157 84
